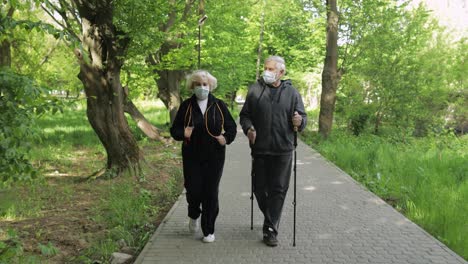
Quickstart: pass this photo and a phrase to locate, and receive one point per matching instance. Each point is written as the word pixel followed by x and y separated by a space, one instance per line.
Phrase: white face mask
pixel 201 92
pixel 269 77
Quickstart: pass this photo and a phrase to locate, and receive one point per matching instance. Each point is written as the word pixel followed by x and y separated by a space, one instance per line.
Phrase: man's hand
pixel 251 134
pixel 221 140
pixel 188 132
pixel 297 119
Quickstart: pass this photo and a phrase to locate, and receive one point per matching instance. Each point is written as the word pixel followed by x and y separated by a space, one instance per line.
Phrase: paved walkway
pixel 338 221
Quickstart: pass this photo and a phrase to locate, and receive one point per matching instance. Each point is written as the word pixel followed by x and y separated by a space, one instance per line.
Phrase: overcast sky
pixel 451 13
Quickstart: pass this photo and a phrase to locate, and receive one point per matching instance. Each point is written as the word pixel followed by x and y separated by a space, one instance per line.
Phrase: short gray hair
pixel 280 64
pixel 198 75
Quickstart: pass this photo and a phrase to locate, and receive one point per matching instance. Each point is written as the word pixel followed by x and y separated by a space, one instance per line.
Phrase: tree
pixel 166 61
pixel 330 74
pixel 101 58
pixel 104 32
pixel 399 67
pixel 21 99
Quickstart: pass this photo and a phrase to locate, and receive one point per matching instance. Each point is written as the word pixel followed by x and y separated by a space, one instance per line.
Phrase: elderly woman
pixel 205 126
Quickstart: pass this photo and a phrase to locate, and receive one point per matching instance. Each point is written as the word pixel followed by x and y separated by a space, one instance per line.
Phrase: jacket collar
pixel 211 100
pixel 284 83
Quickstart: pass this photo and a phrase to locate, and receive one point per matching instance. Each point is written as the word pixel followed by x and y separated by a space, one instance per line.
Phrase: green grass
pixel 128 206
pixel 426 179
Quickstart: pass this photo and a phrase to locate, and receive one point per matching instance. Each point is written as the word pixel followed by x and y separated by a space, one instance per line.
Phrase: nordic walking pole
pixel 295 172
pixel 252 173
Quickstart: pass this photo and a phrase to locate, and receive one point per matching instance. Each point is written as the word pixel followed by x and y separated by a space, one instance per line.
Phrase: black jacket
pixel 271 116
pixel 202 145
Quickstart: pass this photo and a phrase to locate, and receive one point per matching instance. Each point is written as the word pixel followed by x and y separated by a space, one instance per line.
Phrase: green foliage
pixel 399 66
pixel 48 250
pixel 125 205
pixel 226 46
pixel 20 102
pixel 11 247
pixel 408 172
pixel 127 210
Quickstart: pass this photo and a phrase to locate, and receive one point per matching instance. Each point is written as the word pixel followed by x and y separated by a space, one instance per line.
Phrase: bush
pixel 21 100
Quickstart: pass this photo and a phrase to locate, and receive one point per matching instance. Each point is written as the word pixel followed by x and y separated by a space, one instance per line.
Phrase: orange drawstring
pixel 189 113
pixel 222 120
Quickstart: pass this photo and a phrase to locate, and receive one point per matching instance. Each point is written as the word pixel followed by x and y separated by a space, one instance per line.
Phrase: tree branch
pixel 143 124
pixel 187 8
pixel 46 57
pixel 66 28
pixel 10 12
pixel 72 10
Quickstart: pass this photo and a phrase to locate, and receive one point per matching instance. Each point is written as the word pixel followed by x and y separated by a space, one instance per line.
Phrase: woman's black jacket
pixel 201 145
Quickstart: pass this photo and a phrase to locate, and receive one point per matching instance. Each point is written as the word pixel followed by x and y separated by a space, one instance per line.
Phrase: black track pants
pixel 201 181
pixel 271 183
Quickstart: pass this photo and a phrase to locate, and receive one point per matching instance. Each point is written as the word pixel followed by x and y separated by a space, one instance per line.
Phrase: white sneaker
pixel 193 225
pixel 209 238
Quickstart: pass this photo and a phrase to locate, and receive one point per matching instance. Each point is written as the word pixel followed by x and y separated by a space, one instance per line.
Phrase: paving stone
pixel 338 221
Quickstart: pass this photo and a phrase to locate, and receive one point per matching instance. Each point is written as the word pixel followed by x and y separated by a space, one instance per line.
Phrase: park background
pixel 88 90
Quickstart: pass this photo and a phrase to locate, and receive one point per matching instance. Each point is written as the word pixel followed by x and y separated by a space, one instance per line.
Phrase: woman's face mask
pixel 269 77
pixel 201 91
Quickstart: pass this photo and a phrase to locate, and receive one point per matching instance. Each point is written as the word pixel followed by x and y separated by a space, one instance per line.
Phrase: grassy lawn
pixel 425 179
pixel 68 217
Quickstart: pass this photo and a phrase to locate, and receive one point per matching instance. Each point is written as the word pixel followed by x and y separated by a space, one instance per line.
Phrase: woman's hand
pixel 221 140
pixel 252 135
pixel 188 132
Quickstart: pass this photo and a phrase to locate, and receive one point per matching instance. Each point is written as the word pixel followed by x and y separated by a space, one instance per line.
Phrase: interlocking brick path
pixel 338 221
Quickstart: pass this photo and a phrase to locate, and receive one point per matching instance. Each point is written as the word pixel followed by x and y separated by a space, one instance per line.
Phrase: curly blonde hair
pixel 200 76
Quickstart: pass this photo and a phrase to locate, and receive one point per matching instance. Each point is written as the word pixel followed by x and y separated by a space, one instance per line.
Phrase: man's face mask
pixel 201 92
pixel 269 77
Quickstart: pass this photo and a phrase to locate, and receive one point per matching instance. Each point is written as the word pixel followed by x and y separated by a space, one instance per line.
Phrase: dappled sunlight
pixel 10 215
pixel 402 222
pixel 343 206
pixel 337 182
pixel 351 230
pixel 245 194
pixel 299 162
pixel 324 236
pixel 376 201
pixel 309 188
pixel 66 130
pixel 157 103
pixel 56 174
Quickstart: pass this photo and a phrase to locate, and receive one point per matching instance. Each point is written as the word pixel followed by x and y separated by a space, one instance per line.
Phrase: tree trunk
pixel 330 75
pixel 5 54
pixel 100 74
pixel 378 120
pixel 169 90
pixel 170 79
pixel 260 42
pixel 5 46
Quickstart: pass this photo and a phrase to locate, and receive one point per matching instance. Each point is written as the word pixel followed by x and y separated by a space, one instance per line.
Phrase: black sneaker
pixel 269 238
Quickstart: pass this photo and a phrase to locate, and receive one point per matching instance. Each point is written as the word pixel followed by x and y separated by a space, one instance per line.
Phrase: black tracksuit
pixel 270 110
pixel 202 155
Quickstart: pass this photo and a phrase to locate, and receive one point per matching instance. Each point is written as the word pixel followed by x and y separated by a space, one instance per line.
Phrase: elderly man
pixel 273 110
